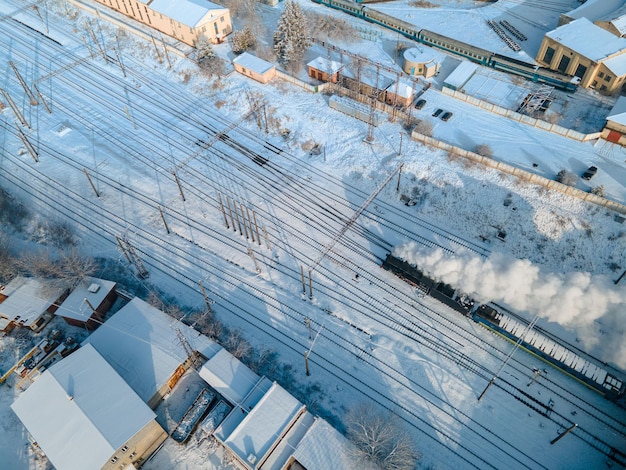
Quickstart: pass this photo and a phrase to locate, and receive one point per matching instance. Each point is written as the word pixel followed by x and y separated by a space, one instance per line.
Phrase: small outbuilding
pixel 615 126
pixel 84 416
pixel 400 93
pixel 460 75
pixel 324 70
pixel 421 61
pixel 31 302
pixel 254 67
pixel 88 303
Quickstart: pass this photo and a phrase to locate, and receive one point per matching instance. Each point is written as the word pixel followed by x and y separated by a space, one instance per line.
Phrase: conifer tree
pixel 291 38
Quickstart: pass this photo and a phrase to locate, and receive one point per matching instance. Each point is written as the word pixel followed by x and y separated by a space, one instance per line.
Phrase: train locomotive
pixel 473 53
pixel 502 322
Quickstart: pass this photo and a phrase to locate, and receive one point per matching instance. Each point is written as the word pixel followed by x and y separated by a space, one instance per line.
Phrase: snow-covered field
pixel 379 340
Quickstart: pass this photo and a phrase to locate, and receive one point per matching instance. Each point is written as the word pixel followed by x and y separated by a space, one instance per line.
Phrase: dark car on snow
pixel 419 104
pixel 438 112
pixel 590 173
pixel 446 116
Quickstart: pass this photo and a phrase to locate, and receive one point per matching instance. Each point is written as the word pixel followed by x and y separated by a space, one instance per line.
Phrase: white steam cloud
pixel 591 305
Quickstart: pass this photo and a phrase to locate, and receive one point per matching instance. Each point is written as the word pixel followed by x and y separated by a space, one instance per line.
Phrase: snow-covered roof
pixel 254 63
pixel 28 299
pixel 192 13
pixel 324 447
pixel 325 65
pixel 94 290
pixel 618 113
pixel 616 64
pixel 402 87
pixel 422 55
pixel 619 22
pixel 263 427
pixel 379 80
pixel 595 9
pixel 141 343
pixel 228 376
pixel 80 411
pixel 461 74
pixel 588 39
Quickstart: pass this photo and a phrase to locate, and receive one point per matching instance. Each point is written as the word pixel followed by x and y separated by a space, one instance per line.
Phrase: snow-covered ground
pixel 379 340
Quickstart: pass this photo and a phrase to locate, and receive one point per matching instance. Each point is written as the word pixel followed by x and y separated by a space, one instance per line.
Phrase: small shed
pixel 421 61
pixel 31 302
pixel 460 75
pixel 254 67
pixel 400 93
pixel 615 126
pixel 324 69
pixel 88 303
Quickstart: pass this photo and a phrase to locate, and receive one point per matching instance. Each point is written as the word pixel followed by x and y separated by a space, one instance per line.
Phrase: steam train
pixel 473 53
pixel 498 320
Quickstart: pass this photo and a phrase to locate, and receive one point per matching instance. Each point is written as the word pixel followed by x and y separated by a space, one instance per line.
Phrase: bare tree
pixel 380 438
pixel 424 127
pixel 236 344
pixel 484 150
pixel 566 177
pixel 243 40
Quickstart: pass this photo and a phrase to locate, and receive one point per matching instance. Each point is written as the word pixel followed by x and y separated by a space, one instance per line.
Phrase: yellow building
pixel 584 50
pixel 185 20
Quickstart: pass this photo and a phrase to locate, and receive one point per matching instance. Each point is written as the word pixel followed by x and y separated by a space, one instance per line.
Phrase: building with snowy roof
pixel 254 67
pixel 324 70
pixel 266 428
pixel 460 75
pixel 88 303
pixel 144 345
pixel 368 81
pixel 84 416
pixel 615 125
pixel 185 20
pixel 422 61
pixel 584 50
pixel 400 92
pixel 607 14
pixel 31 302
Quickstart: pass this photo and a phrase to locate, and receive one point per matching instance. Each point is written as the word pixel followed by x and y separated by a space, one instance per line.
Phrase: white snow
pixel 28 299
pixel 75 307
pixel 192 13
pixel 251 62
pixel 380 340
pixel 229 376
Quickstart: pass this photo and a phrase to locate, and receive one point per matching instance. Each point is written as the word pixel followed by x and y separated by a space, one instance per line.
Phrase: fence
pixel 523 174
pixel 508 113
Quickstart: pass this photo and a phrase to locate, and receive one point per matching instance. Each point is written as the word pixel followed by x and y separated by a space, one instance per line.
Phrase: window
pixel 222 19
pixel 595 82
pixel 601 75
pixel 580 71
pixel 217 31
pixel 563 64
pixel 607 78
pixel 603 88
pixel 204 29
pixel 124 449
pixel 114 459
pixel 549 55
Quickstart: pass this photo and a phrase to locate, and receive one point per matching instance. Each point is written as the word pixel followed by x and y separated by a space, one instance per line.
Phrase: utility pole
pixel 164 221
pixel 31 96
pixel 91 182
pixel 223 211
pixel 28 145
pixel 561 436
pixel 400 149
pixel 14 107
pixel 354 217
pixel 180 188
pixel 308 353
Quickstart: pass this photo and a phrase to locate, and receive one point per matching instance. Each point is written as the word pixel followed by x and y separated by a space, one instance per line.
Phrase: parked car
pixel 420 104
pixel 446 116
pixel 590 173
pixel 438 112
